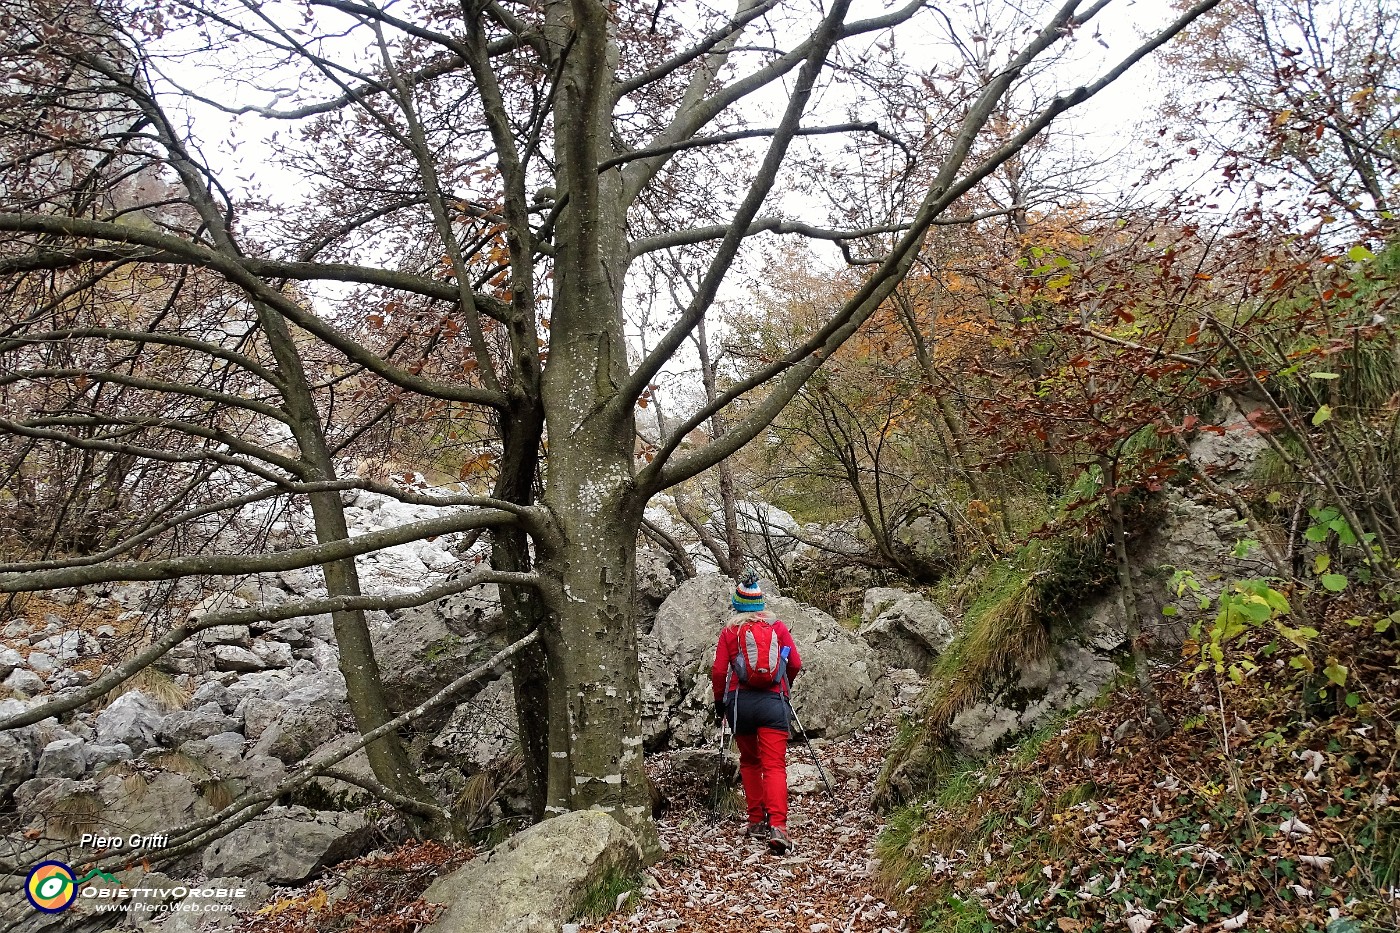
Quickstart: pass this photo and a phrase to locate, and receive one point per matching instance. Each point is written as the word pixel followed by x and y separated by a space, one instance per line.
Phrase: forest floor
pixel 713 880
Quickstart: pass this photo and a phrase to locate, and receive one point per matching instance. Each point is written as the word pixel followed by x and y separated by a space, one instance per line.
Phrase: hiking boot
pixel 778 840
pixel 757 831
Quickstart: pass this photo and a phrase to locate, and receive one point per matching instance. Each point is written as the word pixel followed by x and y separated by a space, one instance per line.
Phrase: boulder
pixel 237 635
pixel 133 719
pixel 288 845
pixel 65 758
pixel 213 691
pixel 908 631
pixel 100 756
pixel 184 658
pixel 273 653
pixel 9 660
pixel 764 528
pixel 65 646
pixel 22 680
pixel 153 804
pixel 236 658
pixel 535 881
pixel 258 715
pixel 200 723
pixel 295 633
pixel 877 599
pixel 266 685
pixel 925 541
pixel 688 622
pixel 43 663
pixel 843 684
pixel 300 729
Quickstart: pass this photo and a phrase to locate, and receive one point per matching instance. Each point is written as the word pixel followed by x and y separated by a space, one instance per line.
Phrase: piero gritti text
pixel 136 842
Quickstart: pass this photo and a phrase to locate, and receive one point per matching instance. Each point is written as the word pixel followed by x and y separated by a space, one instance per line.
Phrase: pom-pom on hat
pixel 748 597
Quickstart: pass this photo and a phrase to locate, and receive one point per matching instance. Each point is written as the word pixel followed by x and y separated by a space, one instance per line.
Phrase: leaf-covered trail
pixel 712 880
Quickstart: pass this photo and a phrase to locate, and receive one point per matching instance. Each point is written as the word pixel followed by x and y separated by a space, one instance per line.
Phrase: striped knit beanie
pixel 747 596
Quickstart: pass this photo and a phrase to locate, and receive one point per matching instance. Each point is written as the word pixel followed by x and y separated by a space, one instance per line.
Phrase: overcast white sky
pixel 1106 128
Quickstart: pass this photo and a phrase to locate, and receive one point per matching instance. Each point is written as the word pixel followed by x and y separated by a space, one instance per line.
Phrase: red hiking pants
pixel 763 770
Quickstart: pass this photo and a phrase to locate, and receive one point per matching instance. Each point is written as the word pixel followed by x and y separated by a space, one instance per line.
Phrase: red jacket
pixel 728 649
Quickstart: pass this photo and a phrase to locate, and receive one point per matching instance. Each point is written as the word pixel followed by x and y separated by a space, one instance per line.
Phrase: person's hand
pixel 719 711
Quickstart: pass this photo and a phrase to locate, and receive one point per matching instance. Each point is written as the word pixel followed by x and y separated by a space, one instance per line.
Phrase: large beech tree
pixel 473 187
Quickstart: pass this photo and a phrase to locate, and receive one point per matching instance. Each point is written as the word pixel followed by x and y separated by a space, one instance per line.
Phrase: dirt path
pixel 714 881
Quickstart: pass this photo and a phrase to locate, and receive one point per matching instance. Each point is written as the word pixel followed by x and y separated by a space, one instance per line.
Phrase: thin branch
pixel 237 564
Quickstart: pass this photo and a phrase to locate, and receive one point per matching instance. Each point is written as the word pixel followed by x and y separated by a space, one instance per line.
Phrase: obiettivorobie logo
pixel 51 887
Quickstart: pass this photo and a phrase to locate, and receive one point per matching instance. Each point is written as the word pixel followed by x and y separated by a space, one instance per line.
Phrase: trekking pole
pixel 793 713
pixel 719 767
pixel 811 751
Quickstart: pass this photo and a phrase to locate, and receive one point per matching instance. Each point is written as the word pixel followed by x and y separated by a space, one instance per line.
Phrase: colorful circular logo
pixel 50 887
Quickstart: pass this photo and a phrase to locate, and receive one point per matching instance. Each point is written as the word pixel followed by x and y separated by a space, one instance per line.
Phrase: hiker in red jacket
pixel 751 694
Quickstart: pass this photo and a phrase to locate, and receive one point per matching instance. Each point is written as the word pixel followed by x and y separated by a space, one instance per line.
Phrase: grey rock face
pixel 688 623
pixel 222 751
pixel 842 684
pixel 258 716
pixel 133 719
pixel 425 649
pixel 1071 676
pixel 212 691
pixel 43 663
pixel 482 731
pixel 66 758
pixel 287 845
pixel 1189 536
pixel 655 581
pixel 907 632
pixel 266 685
pixel 294 633
pixel 533 882
pixel 164 800
pixel 1234 450
pixel 19 756
pixel 273 653
pixel 877 599
pixel 65 646
pixel 660 689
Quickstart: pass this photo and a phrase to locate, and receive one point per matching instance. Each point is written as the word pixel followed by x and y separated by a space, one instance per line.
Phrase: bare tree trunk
pixel 363 685
pixel 733 543
pixel 589 550
pixel 522 607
